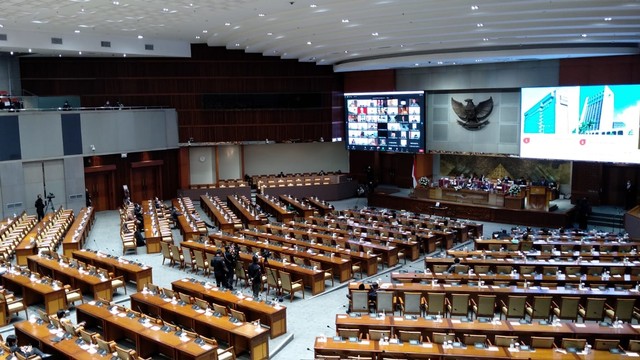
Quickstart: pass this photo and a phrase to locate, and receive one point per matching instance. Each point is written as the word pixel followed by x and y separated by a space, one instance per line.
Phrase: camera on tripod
pixel 50 196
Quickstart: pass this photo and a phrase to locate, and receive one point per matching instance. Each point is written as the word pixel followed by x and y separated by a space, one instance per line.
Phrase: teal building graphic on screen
pixel 542 117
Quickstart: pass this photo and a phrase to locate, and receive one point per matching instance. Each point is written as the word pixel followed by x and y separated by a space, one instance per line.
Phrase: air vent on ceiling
pixel 105 44
pixel 56 41
pixel 3 37
pixel 148 46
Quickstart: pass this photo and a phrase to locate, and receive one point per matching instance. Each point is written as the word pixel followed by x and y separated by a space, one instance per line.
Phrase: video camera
pixel 50 196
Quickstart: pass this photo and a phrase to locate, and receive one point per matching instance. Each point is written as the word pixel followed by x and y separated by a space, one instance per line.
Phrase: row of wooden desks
pixel 223 218
pixel 376 350
pixel 311 277
pixel 274 208
pixel 545 255
pixel 34 291
pixel 321 206
pixel 243 336
pixel 615 281
pixel 302 209
pixel 78 231
pixel 148 338
pixel 524 330
pixel 539 264
pixel 602 246
pixel 340 266
pixel 237 205
pixel 131 271
pixel 99 288
pixel 188 229
pixel 28 245
pixel 273 315
pixel 54 342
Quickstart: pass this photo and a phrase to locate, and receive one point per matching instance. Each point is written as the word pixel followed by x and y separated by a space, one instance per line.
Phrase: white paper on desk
pixel 364 342
pixel 492 348
pixel 500 259
pixel 147 324
pixel 185 280
pixel 122 314
pixel 514 323
pixel 438 273
pixel 455 321
pixel 92 350
pixel 155 328
pixel 400 284
pixel 617 275
pixel 632 354
pixel 398 318
pixel 342 316
pixel 207 347
pixel 446 285
pixel 526 275
pixel 581 325
pixel 635 326
pixel 571 276
pixel 544 288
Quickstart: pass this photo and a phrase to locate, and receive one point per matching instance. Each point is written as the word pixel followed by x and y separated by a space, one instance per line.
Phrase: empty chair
pixel 481 269
pixel 485 307
pixel 409 336
pixel 126 354
pixel 515 306
pixel 527 269
pixel 348 333
pixel 503 269
pixel 290 286
pixel 435 303
pixel 572 344
pixel 177 256
pixel 239 315
pixel 472 339
pixel 375 334
pixel 356 266
pixel 166 252
pixel 360 301
pixel 384 302
pixel 504 340
pixel 541 308
pixel 572 270
pixel 623 310
pixel 541 342
pixel 459 305
pixel 526 246
pixel 13 306
pixel 219 309
pixel 549 270
pixel 441 338
pixel 634 345
pixel 412 303
pixel 73 296
pixel 200 263
pixel 594 309
pixel 328 273
pixel 273 281
pixel 594 270
pixel 568 308
pixel 440 268
pixel 606 344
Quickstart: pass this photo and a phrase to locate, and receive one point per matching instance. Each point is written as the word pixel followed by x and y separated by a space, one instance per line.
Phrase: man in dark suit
pixel 219 269
pixel 39 207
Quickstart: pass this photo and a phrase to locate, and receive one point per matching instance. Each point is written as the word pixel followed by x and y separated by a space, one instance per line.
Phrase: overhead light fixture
pixel 124 55
pixel 237 44
pixel 79 52
pixel 608 19
pixel 227 24
pixel 308 42
pixel 261 15
pixel 344 21
pixel 440 62
pixel 29 50
pixel 140 37
pixel 485 39
pixel 480 25
pixel 197 36
pixel 116 3
pixel 205 31
pixel 374 34
pixel 269 33
pixel 584 35
pixel 77 31
pixel 313 6
pixel 474 7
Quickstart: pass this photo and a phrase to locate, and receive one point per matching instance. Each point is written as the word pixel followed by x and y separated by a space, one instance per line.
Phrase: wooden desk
pixel 302 209
pixel 78 231
pixel 148 338
pixel 322 206
pixel 237 205
pixel 35 291
pixel 131 271
pixel 274 208
pixel 272 315
pixel 27 245
pixel 217 210
pixel 310 277
pixel 39 335
pixel 242 336
pixel 98 287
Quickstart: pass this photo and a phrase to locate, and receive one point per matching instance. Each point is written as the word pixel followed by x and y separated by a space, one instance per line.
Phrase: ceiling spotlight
pixel 1 26
pixel 116 3
pixel 270 33
pixel 79 52
pixel 584 35
pixel 313 6
pixel 237 44
pixel 261 15
pixel 227 24
pixel 197 36
pixel 59 55
pixel 77 31
pixel 124 55
pixel 140 37
pixel 480 25
pixel 474 7
pixel 440 62
pixel 29 50
pixel 607 19
pixel 485 39
pixel 308 42
pixel 374 34
pixel 11 53
pixel 344 21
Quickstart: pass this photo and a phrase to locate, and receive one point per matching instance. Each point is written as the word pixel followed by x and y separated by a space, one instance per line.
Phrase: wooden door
pixel 146 182
pixel 101 187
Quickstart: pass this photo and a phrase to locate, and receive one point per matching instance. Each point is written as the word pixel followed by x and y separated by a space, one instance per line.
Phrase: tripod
pixel 49 205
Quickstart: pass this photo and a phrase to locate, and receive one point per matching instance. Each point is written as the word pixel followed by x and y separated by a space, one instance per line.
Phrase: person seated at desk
pixel 194 215
pixel 452 268
pixel 174 215
pixel 62 317
pixel 26 351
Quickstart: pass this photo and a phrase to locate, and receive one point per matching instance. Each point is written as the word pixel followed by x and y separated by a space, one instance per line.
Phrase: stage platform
pixel 400 199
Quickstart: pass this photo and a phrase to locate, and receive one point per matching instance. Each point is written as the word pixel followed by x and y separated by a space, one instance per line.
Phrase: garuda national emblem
pixel 471 116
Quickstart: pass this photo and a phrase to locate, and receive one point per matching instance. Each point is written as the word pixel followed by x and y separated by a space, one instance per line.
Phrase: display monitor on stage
pixel 388 121
pixel 585 123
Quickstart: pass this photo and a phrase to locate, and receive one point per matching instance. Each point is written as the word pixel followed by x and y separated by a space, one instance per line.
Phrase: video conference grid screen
pixel 585 123
pixel 391 121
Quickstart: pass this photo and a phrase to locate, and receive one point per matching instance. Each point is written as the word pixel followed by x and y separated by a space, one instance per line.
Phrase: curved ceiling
pixel 350 35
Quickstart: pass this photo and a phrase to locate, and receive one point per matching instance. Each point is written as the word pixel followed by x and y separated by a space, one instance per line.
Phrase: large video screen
pixel 391 121
pixel 585 123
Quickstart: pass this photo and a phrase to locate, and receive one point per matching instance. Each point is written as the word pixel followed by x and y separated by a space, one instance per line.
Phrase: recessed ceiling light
pixel 227 24
pixel 124 55
pixel 485 39
pixel 308 42
pixel 478 60
pixel 440 62
pixel 584 35
pixel 59 55
pixel 416 64
pixel 205 31
pixel 165 10
pixel 79 52
pixel 374 34
pixel 346 51
pixel 313 6
pixel 1 26
pixel 197 36
pixel 237 44
pixel 140 37
pixel 261 15
pixel 607 19
pixel 11 53
pixel 116 3
pixel 474 7
pixel 269 33
pixel 344 21
pixel 480 25
pixel 29 50
pixel 77 31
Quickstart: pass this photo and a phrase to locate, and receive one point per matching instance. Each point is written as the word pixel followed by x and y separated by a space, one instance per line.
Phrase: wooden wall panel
pixel 600 70
pixel 181 83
